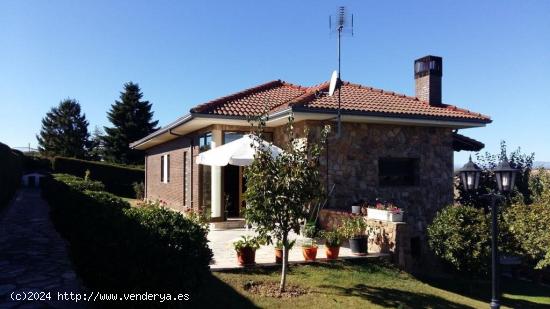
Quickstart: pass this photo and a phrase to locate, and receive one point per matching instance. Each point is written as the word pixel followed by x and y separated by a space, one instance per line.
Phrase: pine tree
pixel 132 120
pixel 96 144
pixel 64 131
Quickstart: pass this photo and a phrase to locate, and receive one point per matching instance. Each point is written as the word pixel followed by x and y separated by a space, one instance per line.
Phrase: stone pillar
pixel 216 191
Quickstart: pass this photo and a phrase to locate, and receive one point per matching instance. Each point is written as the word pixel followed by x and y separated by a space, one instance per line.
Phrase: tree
pixel 64 131
pixel 530 224
pixel 96 145
pixel 132 119
pixel 281 190
pixel 487 162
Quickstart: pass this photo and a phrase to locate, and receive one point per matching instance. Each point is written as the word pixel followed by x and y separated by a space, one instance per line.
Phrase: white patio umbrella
pixel 239 152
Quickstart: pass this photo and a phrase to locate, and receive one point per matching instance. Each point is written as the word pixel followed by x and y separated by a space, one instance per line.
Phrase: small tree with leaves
pixel 132 119
pixel 64 131
pixel 281 190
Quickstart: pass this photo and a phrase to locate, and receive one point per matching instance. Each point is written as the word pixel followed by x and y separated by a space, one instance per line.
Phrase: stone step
pixel 229 224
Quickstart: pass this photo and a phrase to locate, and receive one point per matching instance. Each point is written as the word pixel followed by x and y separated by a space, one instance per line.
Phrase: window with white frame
pixel 165 168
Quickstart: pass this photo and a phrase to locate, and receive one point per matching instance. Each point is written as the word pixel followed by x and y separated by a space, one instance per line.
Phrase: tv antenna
pixel 343 24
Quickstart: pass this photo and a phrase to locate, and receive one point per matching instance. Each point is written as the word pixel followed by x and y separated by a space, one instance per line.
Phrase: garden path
pixel 33 256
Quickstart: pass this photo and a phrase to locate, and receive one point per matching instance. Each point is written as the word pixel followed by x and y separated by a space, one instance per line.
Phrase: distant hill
pixel 536 164
pixel 544 164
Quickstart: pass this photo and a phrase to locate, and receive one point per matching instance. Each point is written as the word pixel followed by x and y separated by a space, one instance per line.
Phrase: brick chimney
pixel 428 71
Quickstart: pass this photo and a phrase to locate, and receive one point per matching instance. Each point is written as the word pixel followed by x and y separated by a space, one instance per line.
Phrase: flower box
pixel 385 215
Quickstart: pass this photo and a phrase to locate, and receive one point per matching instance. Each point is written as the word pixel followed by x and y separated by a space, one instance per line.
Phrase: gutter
pixel 391 115
pixel 166 129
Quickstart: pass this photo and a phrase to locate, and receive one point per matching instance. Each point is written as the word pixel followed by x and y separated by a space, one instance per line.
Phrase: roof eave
pixel 451 121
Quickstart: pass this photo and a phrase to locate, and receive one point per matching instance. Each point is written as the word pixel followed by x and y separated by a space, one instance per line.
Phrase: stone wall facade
pixel 351 164
pixel 387 237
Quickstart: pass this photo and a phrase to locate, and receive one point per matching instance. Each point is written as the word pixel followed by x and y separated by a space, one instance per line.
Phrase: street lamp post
pixel 505 177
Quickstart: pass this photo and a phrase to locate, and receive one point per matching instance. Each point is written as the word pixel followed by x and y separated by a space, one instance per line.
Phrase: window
pixel 165 168
pixel 229 136
pixel 205 141
pixel 397 171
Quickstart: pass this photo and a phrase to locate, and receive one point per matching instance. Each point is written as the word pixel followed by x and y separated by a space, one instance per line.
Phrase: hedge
pixel 118 248
pixel 10 172
pixel 117 179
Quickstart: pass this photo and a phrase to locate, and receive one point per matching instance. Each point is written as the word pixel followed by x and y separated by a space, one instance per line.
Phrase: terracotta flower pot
pixel 332 252
pixel 310 253
pixel 278 256
pixel 246 256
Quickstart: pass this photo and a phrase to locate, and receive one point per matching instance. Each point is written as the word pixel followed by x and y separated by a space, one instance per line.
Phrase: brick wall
pixel 173 191
pixel 428 89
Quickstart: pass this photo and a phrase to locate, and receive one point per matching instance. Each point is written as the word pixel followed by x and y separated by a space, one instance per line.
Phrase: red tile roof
pixel 279 95
pixel 252 101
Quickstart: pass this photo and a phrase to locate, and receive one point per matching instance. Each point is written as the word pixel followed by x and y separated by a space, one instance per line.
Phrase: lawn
pixel 365 285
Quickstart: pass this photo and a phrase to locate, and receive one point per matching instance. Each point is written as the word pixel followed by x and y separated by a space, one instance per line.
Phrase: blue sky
pixel 496 56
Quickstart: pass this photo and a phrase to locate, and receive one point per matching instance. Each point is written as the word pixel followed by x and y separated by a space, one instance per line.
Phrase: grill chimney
pixel 428 71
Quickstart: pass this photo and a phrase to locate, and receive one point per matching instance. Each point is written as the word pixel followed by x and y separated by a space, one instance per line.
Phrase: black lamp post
pixel 505 177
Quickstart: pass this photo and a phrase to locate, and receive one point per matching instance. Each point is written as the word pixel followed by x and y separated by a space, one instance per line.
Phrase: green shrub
pixel 117 179
pixel 80 184
pixel 353 227
pixel 107 198
pixel 118 248
pixel 332 238
pixel 10 172
pixel 460 236
pixel 530 227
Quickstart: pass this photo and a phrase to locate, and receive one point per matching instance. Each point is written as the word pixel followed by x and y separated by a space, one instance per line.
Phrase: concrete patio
pixel 225 257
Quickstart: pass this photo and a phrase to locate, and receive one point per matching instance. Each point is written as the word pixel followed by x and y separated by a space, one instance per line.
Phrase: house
pixel 392 146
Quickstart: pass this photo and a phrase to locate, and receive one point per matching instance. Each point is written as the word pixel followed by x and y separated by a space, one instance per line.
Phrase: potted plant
pixel 385 212
pixel 309 229
pixel 356 207
pixel 309 250
pixel 333 240
pixel 279 250
pixel 246 250
pixel 354 229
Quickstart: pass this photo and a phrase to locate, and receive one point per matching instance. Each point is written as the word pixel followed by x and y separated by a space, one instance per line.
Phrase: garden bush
pixel 117 179
pixel 118 248
pixel 460 236
pixel 80 184
pixel 10 172
pixel 530 226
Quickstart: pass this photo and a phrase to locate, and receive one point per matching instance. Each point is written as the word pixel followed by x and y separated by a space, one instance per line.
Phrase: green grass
pixel 365 285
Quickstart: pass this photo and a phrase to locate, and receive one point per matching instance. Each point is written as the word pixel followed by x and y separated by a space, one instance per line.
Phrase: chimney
pixel 427 76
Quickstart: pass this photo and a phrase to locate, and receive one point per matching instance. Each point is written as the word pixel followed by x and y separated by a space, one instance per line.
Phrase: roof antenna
pixel 343 24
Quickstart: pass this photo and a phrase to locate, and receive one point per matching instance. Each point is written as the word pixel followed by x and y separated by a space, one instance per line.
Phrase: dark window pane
pixel 205 141
pixel 398 171
pixel 228 137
